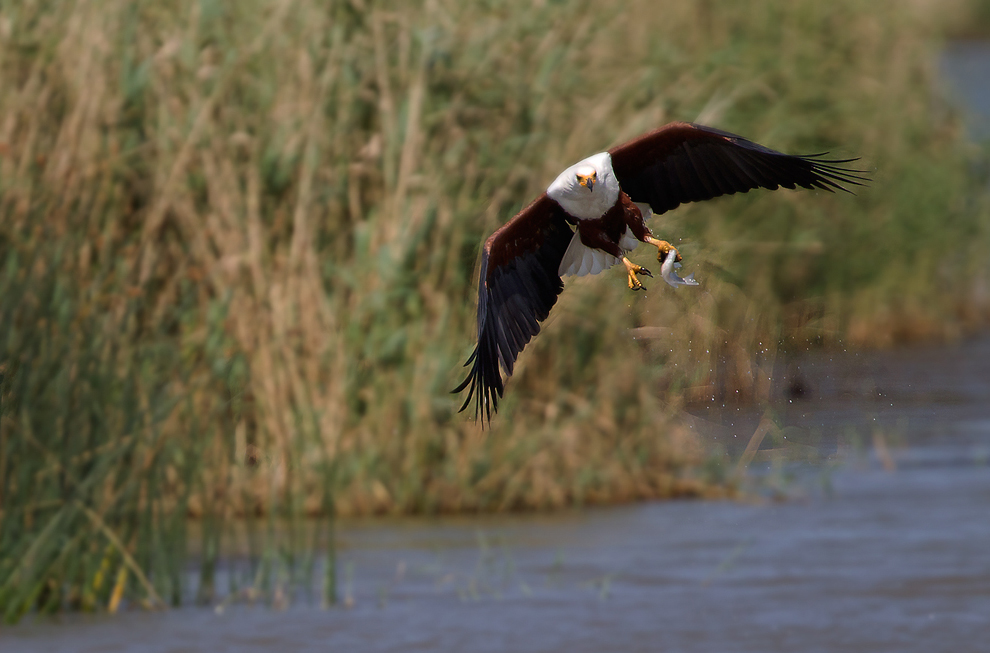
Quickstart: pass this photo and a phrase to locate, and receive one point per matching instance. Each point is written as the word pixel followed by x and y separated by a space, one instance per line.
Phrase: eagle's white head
pixel 587 189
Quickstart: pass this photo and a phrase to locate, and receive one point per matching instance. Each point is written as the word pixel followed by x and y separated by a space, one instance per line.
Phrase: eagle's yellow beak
pixel 588 181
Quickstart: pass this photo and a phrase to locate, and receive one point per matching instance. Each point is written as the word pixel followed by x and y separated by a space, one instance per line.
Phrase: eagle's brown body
pixel 604 233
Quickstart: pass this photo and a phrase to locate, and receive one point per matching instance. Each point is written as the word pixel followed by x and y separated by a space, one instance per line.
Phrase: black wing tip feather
pixel 831 174
pixel 483 389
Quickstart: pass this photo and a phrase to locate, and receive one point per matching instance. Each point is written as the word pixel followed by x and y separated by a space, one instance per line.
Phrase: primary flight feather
pixel 605 197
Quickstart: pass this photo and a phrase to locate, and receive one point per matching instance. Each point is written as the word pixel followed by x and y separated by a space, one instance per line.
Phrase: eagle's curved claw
pixel 632 270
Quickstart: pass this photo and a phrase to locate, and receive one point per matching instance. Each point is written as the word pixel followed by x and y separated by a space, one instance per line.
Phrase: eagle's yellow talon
pixel 664 248
pixel 632 270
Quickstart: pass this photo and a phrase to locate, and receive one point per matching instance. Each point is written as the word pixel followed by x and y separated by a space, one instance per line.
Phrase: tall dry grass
pixel 238 242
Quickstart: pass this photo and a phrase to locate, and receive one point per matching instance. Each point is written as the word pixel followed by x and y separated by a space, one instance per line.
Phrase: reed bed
pixel 238 249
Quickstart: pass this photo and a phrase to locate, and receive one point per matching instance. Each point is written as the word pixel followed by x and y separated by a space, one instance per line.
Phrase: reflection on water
pixel 866 558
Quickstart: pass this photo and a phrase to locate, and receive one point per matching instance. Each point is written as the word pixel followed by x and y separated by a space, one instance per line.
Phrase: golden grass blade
pixel 129 561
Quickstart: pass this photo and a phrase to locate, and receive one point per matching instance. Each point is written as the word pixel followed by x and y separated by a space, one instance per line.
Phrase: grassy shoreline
pixel 239 240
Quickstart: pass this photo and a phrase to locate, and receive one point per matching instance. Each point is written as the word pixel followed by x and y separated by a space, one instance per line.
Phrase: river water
pixel 882 544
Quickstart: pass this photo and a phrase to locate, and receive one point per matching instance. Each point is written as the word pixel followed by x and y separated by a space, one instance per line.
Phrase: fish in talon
pixel 667 272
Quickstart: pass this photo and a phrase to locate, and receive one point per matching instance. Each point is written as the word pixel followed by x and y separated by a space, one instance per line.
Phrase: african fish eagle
pixel 605 196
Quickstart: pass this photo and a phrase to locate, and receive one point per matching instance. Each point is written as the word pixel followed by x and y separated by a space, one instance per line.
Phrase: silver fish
pixel 667 272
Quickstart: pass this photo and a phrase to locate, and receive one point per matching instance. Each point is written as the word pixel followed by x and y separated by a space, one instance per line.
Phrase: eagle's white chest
pixel 576 199
pixel 579 259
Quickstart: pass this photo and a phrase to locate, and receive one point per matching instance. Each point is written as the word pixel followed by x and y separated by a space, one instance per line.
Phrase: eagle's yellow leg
pixel 632 270
pixel 663 248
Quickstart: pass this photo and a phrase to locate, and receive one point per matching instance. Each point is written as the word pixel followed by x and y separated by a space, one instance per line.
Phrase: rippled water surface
pixel 882 546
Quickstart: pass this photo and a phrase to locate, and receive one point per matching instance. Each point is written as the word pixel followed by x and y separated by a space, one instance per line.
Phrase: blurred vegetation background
pixel 238 249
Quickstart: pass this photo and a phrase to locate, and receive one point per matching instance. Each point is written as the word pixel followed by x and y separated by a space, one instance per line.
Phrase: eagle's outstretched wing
pixel 519 285
pixel 683 162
